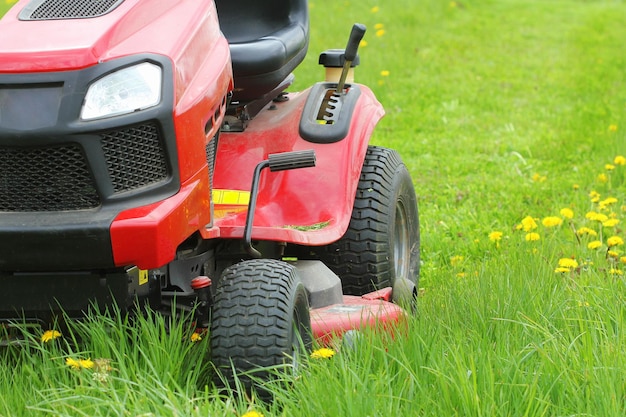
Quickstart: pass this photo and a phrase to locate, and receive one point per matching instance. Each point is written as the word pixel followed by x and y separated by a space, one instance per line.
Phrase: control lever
pixel 275 162
pixel 356 34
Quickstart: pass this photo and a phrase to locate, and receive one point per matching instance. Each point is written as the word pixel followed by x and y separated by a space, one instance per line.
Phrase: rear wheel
pixel 260 319
pixel 381 247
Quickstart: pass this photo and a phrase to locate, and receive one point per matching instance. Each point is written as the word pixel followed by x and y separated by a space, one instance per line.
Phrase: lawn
pixel 511 117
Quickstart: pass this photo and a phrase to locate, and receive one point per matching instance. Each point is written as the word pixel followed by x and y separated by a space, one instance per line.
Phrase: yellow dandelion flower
pixel 49 335
pixel 594 244
pixel 461 275
pixel 612 128
pixel 539 178
pixel 619 160
pixel 576 187
pixel 375 9
pixel 79 364
pixel 86 363
pixel 456 260
pixel 252 414
pixel 594 196
pixel 379 26
pixel 528 224
pixel 603 178
pixel 607 202
pixel 532 237
pixel 586 231
pixel 363 43
pixel 72 363
pixel 612 254
pixel 614 271
pixel 195 337
pixel 623 259
pixel 384 73
pixel 602 218
pixel 614 241
pixel 610 223
pixel 609 167
pixel 568 263
pixel 380 32
pixel 495 236
pixel 322 353
pixel 561 269
pixel 568 213
pixel 552 221
pixel 595 216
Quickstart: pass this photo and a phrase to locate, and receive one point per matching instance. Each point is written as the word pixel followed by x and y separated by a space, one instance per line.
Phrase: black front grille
pixel 54 178
pixel 135 156
pixel 67 9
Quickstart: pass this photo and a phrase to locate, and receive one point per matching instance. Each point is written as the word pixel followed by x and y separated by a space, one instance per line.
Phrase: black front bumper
pixel 47 297
pixel 69 241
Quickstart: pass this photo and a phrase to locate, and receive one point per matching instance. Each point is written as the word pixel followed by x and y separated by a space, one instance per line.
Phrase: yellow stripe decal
pixel 231 197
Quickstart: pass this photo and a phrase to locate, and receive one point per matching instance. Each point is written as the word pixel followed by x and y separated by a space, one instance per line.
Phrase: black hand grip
pixel 291 160
pixel 357 33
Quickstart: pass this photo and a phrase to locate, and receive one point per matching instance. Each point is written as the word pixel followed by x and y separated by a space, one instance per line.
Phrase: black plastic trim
pixel 41 296
pixel 310 127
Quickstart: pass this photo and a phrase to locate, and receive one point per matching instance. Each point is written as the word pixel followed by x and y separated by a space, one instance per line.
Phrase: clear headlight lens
pixel 124 91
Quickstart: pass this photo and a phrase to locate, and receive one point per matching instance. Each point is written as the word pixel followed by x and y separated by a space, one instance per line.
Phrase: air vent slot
pixel 135 156
pixel 67 9
pixel 54 178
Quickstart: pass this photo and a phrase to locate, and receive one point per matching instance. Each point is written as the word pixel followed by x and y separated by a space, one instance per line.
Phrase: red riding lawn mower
pixel 134 141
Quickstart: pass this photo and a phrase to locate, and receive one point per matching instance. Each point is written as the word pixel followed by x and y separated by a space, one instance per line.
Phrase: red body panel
pixel 319 199
pixel 148 236
pixel 135 26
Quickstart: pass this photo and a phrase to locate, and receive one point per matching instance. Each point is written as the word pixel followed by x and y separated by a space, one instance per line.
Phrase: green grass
pixel 501 109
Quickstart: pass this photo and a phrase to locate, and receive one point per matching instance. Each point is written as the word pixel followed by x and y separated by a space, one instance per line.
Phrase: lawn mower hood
pixel 106 110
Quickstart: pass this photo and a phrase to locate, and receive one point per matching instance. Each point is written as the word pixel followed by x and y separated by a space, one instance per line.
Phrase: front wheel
pixel 260 319
pixel 381 247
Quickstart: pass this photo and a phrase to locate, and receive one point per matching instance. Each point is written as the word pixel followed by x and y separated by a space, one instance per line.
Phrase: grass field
pixel 511 116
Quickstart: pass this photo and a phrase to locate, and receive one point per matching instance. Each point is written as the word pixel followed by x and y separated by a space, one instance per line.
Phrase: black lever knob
pixel 356 34
pixel 291 160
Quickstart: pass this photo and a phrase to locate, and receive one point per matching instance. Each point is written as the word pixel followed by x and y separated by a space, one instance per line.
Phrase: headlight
pixel 124 91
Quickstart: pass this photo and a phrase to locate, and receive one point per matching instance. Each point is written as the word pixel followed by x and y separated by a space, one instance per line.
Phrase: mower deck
pixel 373 310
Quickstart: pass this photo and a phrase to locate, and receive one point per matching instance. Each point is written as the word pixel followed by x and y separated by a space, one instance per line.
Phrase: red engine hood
pixel 66 44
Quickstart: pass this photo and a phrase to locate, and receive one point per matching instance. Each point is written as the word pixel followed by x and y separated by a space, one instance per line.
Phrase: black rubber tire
pixel 381 247
pixel 260 318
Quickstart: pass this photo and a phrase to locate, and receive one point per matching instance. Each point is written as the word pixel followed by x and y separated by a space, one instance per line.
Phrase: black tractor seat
pixel 267 38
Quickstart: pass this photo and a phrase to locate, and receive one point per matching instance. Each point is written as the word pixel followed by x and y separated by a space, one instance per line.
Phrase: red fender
pixel 309 206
